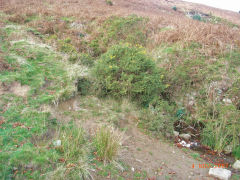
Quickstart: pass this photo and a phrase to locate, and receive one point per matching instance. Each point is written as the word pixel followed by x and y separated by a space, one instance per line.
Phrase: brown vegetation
pixel 4 65
pixel 215 38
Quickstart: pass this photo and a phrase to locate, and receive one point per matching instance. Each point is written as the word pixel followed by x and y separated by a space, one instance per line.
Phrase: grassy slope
pixel 28 128
pixel 200 60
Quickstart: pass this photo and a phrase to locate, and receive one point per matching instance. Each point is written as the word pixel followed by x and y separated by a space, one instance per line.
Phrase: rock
pixel 228 149
pixel 175 133
pixel 133 169
pixel 185 136
pixel 57 143
pixel 236 165
pixel 220 173
pixel 227 101
pixel 191 103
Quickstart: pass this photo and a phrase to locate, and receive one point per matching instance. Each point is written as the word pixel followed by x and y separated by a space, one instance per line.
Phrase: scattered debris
pixel 220 173
pixel 236 165
pixel 184 144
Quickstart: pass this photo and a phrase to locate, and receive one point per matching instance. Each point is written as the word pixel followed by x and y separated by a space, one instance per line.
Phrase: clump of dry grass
pixel 17 18
pixel 107 144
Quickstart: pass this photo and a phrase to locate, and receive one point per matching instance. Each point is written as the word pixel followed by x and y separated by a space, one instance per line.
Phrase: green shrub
pixel 95 49
pixel 126 71
pixel 66 46
pixel 109 2
pixel 107 144
pixel 174 8
pixel 86 59
pixel 236 152
pixel 73 57
pixel 158 119
pixel 197 17
pixel 84 85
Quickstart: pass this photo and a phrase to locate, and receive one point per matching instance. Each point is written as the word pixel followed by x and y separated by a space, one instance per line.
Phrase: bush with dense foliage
pixel 126 71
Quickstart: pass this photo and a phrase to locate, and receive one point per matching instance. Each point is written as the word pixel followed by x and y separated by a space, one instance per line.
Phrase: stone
pixel 220 173
pixel 227 101
pixel 175 133
pixel 185 136
pixel 57 143
pixel 191 103
pixel 236 165
pixel 228 149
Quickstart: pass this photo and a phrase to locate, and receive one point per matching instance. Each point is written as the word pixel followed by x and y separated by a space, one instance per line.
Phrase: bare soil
pixel 143 153
pixel 15 88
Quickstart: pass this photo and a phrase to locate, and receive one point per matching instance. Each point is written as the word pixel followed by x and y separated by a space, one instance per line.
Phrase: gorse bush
pixel 126 71
pixel 174 8
pixel 197 17
pixel 107 144
pixel 109 2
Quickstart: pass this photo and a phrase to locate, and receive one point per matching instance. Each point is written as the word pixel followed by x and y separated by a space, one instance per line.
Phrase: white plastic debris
pixel 184 144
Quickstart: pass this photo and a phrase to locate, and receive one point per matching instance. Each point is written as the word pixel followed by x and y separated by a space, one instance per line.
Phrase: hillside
pixel 118 89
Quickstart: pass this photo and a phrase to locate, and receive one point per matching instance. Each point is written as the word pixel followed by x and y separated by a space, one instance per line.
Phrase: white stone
pixel 191 103
pixel 185 136
pixel 133 169
pixel 236 165
pixel 175 133
pixel 220 173
pixel 227 101
pixel 57 143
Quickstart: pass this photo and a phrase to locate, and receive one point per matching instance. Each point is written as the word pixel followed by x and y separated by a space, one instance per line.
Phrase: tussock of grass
pixel 74 152
pixel 107 143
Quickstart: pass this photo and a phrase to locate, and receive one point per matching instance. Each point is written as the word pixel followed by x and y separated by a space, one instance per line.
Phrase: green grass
pixel 107 144
pixel 25 152
pixel 196 156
